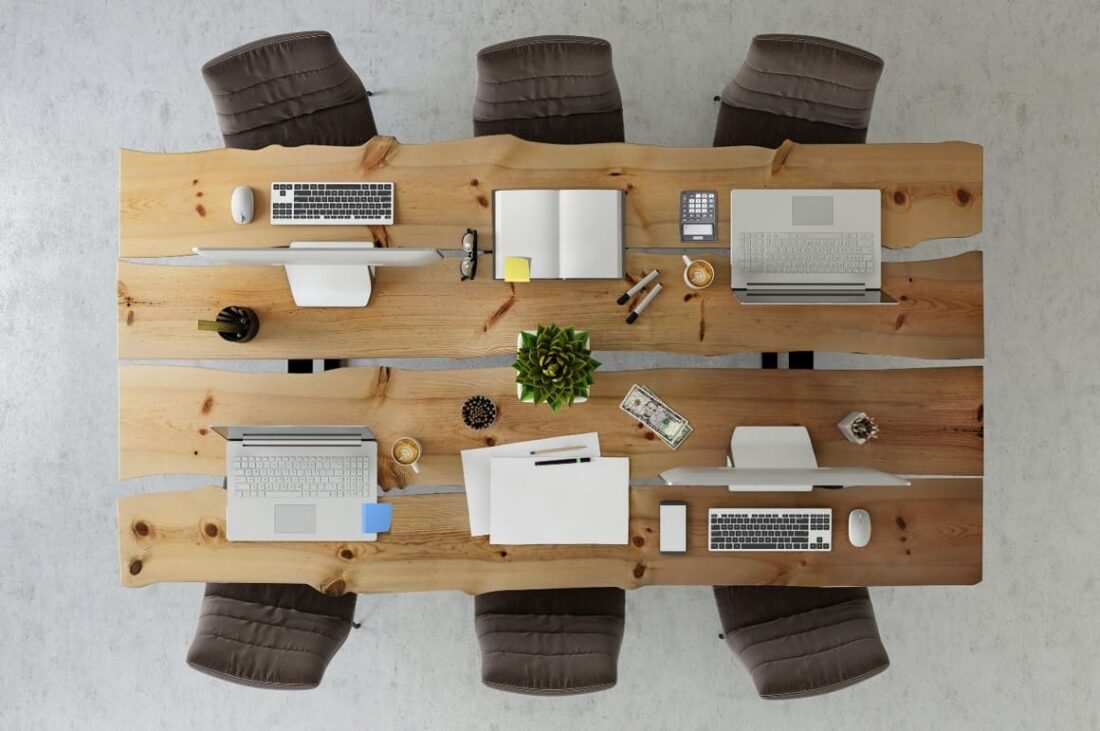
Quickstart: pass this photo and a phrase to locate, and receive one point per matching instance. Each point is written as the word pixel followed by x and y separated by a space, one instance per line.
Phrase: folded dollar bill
pixel 662 419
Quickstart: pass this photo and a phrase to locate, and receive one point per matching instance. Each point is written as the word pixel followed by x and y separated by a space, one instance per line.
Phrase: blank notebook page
pixel 590 229
pixel 526 225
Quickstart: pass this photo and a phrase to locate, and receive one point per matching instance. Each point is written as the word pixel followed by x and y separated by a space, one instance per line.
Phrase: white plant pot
pixel 531 399
pixel 845 426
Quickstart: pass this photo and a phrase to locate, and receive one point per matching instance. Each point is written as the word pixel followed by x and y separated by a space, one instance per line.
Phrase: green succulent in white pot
pixel 554 366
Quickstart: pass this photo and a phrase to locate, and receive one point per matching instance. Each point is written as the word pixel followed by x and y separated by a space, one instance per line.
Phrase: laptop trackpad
pixel 295 518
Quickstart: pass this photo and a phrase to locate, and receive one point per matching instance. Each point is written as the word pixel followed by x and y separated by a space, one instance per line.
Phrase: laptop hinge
pixel 301 442
pixel 807 288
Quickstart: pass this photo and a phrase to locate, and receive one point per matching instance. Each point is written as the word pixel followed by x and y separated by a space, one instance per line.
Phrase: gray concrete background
pixel 81 80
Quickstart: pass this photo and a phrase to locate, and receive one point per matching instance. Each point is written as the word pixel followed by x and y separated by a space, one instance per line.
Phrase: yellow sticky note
pixel 517 269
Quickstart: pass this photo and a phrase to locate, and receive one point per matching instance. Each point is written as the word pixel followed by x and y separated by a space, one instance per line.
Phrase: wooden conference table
pixel 930 418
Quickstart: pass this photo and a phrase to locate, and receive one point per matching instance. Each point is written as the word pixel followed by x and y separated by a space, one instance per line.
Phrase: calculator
pixel 698 215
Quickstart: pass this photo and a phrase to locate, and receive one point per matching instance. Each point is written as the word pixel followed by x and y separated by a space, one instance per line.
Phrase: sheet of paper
pixel 591 233
pixel 525 224
pixel 559 504
pixel 517 269
pixel 475 468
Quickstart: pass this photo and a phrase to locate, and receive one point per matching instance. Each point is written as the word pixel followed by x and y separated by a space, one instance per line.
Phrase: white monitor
pixel 325 273
pixel 781 479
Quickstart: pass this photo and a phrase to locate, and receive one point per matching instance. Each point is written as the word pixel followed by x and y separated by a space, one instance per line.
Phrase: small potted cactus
pixel 554 366
pixel 858 427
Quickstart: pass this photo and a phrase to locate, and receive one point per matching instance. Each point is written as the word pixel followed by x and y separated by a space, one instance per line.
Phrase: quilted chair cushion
pixel 279 636
pixel 799 641
pixel 559 89
pixel 550 642
pixel 803 88
pixel 290 90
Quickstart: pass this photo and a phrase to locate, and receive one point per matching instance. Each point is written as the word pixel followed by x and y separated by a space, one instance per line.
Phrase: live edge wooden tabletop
pixel 930 418
pixel 927 533
pixel 170 203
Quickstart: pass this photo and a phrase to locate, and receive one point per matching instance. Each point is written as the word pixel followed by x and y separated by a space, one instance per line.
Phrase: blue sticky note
pixel 377 517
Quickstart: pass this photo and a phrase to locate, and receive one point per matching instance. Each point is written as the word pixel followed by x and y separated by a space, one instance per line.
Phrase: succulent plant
pixel 555 366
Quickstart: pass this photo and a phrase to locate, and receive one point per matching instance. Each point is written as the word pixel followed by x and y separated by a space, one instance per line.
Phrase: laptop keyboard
pixel 792 252
pixel 309 477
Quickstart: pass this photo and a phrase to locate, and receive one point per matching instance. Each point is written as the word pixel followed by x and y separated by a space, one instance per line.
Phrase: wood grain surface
pixel 930 418
pixel 427 311
pixel 927 533
pixel 170 203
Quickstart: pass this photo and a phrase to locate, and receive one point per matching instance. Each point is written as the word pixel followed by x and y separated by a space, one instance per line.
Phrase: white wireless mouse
pixel 859 527
pixel 242 204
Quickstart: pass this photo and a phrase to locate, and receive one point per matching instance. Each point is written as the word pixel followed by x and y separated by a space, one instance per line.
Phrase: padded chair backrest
pixel 550 642
pixel 279 636
pixel 802 641
pixel 290 90
pixel 802 88
pixel 549 89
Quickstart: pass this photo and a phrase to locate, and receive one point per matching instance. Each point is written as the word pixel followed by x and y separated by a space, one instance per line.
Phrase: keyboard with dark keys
pixel 304 204
pixel 767 529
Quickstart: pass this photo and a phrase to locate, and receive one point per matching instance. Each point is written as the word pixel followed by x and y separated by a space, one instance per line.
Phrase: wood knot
pixel 899 321
pixel 901 522
pixel 195 181
pixel 203 431
pixel 141 528
pixel 962 195
pixel 638 541
pixel 615 173
pixel 207 404
pixel 337 588
pixel 347 554
pixel 908 552
pixel 650 436
pixel 474 182
pixel 490 441
pixel 211 530
pixel 899 197
pixel 904 539
pixel 199 194
pixel 504 554
pixel 639 571
pixel 483 201
pixel 201 210
pixel 690 296
pixel 130 317
pixel 135 567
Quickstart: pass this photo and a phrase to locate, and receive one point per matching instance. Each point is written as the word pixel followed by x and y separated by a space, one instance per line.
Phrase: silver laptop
pixel 299 483
pixel 807 247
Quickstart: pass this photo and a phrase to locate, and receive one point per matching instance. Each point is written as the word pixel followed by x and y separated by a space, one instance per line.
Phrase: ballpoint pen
pixel 642 305
pixel 625 296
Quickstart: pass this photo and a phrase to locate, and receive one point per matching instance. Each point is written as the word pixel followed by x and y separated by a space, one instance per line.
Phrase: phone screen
pixel 673 528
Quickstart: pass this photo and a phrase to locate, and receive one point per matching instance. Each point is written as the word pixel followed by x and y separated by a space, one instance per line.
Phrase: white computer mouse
pixel 859 527
pixel 242 204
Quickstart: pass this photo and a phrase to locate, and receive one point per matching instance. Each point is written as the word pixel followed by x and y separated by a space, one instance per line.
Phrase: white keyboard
pixel 793 252
pixel 309 477
pixel 308 204
pixel 770 529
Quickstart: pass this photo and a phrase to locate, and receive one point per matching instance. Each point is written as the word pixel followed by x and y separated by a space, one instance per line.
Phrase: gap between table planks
pixel 171 202
pixel 428 312
pixel 930 418
pixel 927 533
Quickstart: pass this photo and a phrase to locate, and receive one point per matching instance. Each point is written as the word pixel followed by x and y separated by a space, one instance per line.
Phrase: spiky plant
pixel 555 366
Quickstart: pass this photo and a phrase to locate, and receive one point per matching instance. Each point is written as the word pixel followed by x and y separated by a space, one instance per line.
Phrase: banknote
pixel 662 419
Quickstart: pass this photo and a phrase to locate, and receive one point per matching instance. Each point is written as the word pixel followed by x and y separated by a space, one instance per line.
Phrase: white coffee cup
pixel 406 452
pixel 698 273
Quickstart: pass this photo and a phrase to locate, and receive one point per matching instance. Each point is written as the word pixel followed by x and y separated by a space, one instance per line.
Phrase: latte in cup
pixel 698 273
pixel 406 451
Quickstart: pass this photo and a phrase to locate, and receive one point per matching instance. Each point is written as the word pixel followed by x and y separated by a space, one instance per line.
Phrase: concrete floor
pixel 81 80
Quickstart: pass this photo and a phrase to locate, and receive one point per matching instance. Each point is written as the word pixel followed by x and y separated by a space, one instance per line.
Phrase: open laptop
pixel 807 247
pixel 299 483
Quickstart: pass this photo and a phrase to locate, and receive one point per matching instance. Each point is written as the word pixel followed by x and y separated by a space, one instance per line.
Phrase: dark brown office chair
pixel 552 642
pixel 801 88
pixel 279 636
pixel 290 90
pixel 799 642
pixel 559 89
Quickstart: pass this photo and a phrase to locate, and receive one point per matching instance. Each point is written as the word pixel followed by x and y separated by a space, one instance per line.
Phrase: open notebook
pixel 563 234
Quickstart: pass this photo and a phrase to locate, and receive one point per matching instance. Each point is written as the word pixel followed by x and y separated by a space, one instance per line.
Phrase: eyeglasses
pixel 468 267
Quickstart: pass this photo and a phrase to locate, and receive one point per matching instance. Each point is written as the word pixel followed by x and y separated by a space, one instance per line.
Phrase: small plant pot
pixel 479 412
pixel 245 317
pixel 857 427
pixel 519 388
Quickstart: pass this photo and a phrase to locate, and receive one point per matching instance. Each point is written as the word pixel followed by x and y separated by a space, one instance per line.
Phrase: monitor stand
pixel 330 285
pixel 771 447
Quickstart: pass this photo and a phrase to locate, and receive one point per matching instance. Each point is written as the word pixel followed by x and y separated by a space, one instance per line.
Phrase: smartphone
pixel 673 526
